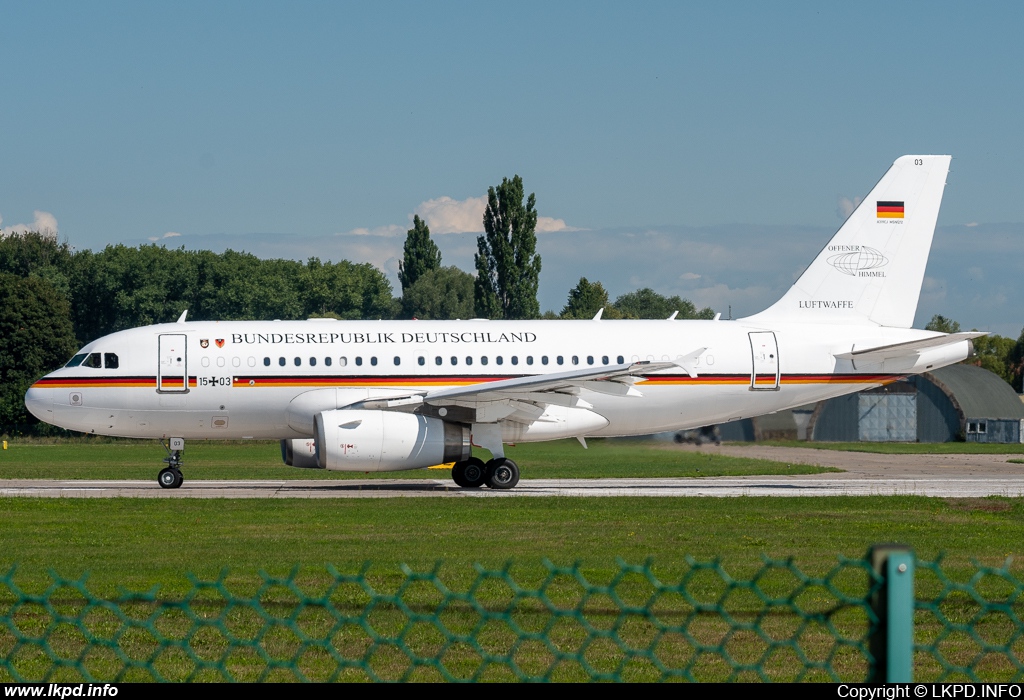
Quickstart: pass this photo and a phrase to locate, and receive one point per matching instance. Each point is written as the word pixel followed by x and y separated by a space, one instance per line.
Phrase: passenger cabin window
pixel 281 361
pixel 421 360
pixel 76 360
pixel 94 360
pixel 343 361
pixel 327 361
pixel 398 360
pixel 500 360
pixel 266 362
pixel 560 361
pixel 621 359
pixel 312 362
pixel 529 359
pixel 469 359
pixel 373 361
pixel 438 360
pixel 575 360
pixel 110 360
pixel 604 359
pixel 455 360
pixel 359 362
pixel 483 360
pixel 590 359
pixel 298 361
pixel 515 359
pixel 543 359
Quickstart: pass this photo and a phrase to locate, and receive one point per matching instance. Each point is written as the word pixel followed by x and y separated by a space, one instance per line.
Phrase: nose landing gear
pixel 170 476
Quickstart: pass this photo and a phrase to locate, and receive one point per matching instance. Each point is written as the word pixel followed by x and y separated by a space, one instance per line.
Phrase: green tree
pixel 36 337
pixel 1015 364
pixel 444 293
pixel 35 254
pixel 507 263
pixel 647 303
pixel 992 352
pixel 421 254
pixel 942 324
pixel 586 299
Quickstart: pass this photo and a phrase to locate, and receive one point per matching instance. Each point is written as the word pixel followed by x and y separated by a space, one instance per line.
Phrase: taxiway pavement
pixel 864 474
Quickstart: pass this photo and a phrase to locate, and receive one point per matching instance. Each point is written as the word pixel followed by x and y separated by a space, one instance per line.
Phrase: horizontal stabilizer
pixel 908 349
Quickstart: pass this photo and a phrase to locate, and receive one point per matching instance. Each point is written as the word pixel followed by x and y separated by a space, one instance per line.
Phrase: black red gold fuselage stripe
pixel 379 381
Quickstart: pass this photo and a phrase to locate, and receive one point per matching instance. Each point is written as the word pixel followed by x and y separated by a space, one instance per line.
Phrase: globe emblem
pixel 863 259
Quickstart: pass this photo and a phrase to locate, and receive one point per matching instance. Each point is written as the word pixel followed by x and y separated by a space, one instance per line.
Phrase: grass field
pixel 262 460
pixel 900 448
pixel 136 544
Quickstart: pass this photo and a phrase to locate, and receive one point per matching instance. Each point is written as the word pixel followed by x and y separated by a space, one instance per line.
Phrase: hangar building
pixel 959 402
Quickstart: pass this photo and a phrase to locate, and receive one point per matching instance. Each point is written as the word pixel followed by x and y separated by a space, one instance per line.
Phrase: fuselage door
pixel 172 370
pixel 764 374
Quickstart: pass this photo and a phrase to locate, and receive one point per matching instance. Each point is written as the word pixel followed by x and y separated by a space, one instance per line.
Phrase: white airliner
pixel 393 395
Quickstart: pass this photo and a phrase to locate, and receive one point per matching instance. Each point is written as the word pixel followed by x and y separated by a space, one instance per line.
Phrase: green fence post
pixel 892 643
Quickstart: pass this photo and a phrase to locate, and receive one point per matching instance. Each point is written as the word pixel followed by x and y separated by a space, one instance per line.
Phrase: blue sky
pixel 290 129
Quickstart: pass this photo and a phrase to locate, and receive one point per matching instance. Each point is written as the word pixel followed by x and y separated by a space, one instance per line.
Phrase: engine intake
pixel 300 453
pixel 383 441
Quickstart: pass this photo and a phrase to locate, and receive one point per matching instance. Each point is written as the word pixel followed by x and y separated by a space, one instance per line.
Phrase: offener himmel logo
pixel 852 262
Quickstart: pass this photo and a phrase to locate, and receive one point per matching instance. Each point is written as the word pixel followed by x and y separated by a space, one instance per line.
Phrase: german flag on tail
pixel 890 210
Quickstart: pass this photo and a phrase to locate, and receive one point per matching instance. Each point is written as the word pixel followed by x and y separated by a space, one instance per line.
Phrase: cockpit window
pixel 94 360
pixel 110 360
pixel 76 360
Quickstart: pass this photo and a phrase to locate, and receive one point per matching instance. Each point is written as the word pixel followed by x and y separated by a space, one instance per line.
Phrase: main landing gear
pixel 500 473
pixel 170 476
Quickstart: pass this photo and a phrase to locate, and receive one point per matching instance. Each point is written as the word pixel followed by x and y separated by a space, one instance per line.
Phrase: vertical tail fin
pixel 872 269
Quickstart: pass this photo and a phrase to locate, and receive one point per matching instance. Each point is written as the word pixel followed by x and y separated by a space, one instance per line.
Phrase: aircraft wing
pixel 889 352
pixel 525 398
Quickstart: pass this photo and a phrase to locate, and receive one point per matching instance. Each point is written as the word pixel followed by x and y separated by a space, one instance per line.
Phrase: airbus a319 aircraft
pixel 392 395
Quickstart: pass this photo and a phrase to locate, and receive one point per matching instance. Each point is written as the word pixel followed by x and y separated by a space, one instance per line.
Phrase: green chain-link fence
pixel 776 623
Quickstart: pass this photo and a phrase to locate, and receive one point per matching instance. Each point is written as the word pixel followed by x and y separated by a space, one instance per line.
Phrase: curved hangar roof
pixel 977 392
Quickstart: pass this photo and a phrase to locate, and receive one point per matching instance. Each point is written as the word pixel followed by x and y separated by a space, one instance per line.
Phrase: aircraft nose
pixel 39 403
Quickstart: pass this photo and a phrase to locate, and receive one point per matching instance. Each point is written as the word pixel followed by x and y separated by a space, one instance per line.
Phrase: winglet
pixel 689 362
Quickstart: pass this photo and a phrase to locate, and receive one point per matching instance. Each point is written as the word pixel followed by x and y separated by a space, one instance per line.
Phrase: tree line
pixel 996 353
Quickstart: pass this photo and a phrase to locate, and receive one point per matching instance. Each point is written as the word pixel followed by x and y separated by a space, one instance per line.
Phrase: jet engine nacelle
pixel 300 453
pixel 382 441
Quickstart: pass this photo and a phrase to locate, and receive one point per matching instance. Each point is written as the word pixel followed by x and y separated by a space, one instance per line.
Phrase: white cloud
pixel 689 276
pixel 846 206
pixel 384 231
pixel 447 215
pixel 545 224
pixel 44 222
pixel 972 224
pixel 169 234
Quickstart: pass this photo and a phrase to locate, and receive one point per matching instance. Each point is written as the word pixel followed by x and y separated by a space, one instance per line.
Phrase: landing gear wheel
pixel 469 473
pixel 170 478
pixel 502 473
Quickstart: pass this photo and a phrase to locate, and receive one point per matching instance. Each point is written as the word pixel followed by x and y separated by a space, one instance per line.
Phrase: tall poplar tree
pixel 507 264
pixel 421 254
